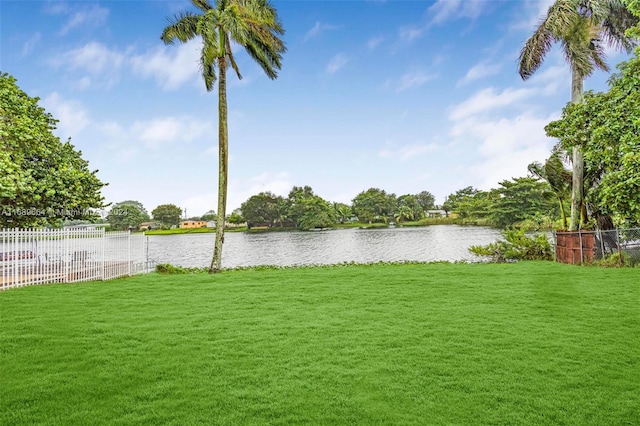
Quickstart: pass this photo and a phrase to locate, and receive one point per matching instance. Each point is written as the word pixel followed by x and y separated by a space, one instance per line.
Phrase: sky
pixel 404 96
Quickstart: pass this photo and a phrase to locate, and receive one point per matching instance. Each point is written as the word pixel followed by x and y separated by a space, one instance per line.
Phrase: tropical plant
pixel 516 246
pixel 252 24
pixel 583 28
pixel 558 178
pixel 127 215
pixel 607 126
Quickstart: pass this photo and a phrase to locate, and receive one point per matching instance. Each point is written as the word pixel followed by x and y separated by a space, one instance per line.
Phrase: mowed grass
pixel 527 343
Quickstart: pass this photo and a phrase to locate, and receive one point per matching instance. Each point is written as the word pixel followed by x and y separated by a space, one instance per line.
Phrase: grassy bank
pixel 192 231
pixel 526 343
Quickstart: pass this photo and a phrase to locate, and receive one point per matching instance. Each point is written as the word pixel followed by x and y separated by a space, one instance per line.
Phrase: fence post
pixel 129 253
pixel 581 251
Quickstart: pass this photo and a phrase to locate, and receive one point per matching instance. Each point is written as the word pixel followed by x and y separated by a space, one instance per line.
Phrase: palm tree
pixel 253 24
pixel 558 178
pixel 582 27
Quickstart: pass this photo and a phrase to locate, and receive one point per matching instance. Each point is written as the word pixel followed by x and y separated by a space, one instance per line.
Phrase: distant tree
pixel 521 198
pixel 209 216
pixel 558 178
pixel 235 218
pixel 252 24
pixel 426 200
pixel 343 211
pixel 315 212
pixel 453 200
pixel 261 209
pixel 168 215
pixel 295 201
pixel 479 206
pixel 409 208
pixel 127 215
pixel 374 204
pixel 42 180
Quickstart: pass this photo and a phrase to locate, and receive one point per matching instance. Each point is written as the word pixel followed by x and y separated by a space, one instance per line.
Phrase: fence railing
pixel 578 247
pixel 39 256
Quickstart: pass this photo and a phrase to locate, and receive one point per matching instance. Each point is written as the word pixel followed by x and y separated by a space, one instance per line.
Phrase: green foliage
pixel 168 215
pixel 453 201
pixel 426 200
pixel 208 216
pixel 521 199
pixel 167 268
pixel 409 208
pixel 43 180
pixel 516 246
pixel 262 209
pixel 343 212
pixel 236 218
pixel 127 215
pixel 617 260
pixel 374 205
pixel 634 7
pixel 607 127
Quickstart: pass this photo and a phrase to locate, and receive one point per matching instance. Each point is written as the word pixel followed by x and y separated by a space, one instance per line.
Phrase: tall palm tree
pixel 252 24
pixel 583 28
pixel 558 178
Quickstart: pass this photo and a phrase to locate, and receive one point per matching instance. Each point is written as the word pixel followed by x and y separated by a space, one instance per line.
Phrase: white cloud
pixel 72 116
pixel 410 33
pixel 318 29
pixel 96 59
pixel 30 44
pixel 170 66
pixel 93 16
pixel 445 10
pixel 336 63
pixel 488 100
pixel 413 79
pixel 374 42
pixel 479 71
pixel 408 152
pixel 170 130
pixel 506 146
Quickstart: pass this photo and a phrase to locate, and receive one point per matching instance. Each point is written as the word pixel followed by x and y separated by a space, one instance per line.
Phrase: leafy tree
pixel 607 127
pixel 309 210
pixel 558 178
pixel 168 215
pixel 409 208
pixel 42 179
pixel 374 204
pixel 521 199
pixel 252 24
pixel 634 8
pixel 343 211
pixel 127 215
pixel 236 218
pixel 315 212
pixel 208 216
pixel 261 209
pixel 453 200
pixel 582 27
pixel 479 206
pixel 426 200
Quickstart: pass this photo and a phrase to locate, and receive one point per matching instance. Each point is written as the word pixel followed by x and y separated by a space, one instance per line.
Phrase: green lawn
pixel 527 343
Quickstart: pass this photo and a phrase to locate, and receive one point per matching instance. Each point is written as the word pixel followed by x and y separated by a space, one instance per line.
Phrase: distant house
pixel 436 213
pixel 149 226
pixel 193 224
pixel 211 224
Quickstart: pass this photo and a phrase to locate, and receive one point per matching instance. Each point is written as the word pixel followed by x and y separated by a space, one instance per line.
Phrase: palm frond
pixel 549 31
pixel 182 27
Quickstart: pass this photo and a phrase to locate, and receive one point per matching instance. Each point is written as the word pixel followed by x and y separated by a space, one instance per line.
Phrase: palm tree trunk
pixel 223 159
pixel 577 189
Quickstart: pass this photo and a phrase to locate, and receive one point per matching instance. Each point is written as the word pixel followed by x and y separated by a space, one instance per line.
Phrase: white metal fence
pixel 38 256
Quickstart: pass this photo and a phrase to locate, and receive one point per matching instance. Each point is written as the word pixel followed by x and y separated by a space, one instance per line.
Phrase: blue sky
pixel 405 96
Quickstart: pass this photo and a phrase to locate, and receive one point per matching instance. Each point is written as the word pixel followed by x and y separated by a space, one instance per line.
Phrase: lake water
pixel 431 243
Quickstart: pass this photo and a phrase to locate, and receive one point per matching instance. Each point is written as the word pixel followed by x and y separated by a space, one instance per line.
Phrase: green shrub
pixel 516 246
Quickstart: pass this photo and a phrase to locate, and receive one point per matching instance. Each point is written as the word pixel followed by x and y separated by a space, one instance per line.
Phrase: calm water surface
pixel 440 242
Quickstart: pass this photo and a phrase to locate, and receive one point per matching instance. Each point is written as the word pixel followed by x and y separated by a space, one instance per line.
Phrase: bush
pixel 516 246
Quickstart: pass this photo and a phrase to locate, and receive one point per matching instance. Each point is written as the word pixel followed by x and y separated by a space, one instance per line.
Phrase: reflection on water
pixel 440 242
